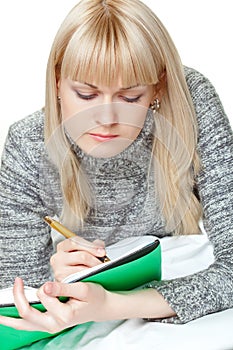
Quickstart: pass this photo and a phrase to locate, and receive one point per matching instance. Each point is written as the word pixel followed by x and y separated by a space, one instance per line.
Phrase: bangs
pixel 104 50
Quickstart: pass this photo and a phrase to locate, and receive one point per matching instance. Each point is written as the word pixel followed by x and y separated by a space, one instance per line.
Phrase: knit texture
pixel 125 203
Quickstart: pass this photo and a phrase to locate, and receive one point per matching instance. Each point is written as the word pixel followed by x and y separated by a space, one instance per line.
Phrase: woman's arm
pixel 25 241
pixel 88 302
pixel 210 290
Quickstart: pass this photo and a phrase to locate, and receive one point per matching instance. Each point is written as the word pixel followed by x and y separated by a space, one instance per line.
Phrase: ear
pixel 161 87
pixel 58 87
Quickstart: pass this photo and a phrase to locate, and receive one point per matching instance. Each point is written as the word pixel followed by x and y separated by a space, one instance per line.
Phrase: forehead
pixel 107 68
pixel 111 89
pixel 117 84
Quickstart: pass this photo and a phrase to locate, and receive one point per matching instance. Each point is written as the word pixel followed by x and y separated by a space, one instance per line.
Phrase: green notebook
pixel 134 262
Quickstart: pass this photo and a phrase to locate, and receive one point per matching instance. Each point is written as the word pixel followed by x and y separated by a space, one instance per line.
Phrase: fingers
pixel 95 248
pixel 86 300
pixel 78 290
pixel 58 315
pixel 99 243
pixel 75 254
pixel 68 314
pixel 20 299
pixel 29 315
pixel 75 258
pixel 64 263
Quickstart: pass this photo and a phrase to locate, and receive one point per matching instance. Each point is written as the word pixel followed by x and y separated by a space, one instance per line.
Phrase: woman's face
pixel 103 120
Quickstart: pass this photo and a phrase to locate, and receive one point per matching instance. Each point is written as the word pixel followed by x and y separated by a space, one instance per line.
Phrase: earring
pixel 58 98
pixel 155 105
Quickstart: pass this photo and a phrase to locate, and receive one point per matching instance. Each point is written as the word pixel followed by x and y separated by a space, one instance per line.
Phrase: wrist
pixel 145 303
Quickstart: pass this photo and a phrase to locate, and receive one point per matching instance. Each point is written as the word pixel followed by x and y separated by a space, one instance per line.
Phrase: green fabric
pixel 123 277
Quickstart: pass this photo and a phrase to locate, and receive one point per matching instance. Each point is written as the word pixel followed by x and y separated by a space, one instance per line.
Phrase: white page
pixel 115 252
pixel 128 246
pixel 7 297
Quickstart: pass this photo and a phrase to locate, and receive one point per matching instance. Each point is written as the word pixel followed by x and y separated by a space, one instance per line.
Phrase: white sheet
pixel 181 256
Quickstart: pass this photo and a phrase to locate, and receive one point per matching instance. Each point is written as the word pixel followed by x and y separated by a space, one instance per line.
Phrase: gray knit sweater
pixel 125 203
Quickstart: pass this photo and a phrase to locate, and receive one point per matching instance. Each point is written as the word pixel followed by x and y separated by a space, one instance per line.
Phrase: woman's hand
pixel 87 302
pixel 75 254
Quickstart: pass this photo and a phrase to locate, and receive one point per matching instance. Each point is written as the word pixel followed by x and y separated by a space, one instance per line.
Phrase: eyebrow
pixel 96 87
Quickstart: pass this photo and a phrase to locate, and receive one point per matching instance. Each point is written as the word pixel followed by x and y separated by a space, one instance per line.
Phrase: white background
pixel 201 29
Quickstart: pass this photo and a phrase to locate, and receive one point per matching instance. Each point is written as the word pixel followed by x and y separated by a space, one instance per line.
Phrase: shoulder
pixel 208 107
pixel 25 139
pixel 29 128
pixel 214 129
pixel 192 75
pixel 200 87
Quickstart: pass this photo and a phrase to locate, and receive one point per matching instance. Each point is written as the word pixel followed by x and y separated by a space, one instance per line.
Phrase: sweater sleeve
pixel 25 242
pixel 210 290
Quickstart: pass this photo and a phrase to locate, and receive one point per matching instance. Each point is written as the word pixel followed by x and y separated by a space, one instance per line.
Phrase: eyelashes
pixel 132 100
pixel 93 96
pixel 85 97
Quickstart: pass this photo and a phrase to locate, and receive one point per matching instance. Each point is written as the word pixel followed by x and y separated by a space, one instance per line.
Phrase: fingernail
pixel 48 288
pixel 100 250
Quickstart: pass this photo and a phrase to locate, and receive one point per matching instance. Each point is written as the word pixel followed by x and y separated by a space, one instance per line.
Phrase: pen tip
pixel 48 219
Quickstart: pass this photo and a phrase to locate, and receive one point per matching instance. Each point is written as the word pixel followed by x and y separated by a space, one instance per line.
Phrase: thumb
pixel 76 290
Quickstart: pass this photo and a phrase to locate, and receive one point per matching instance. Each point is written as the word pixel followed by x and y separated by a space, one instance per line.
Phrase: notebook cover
pixel 128 274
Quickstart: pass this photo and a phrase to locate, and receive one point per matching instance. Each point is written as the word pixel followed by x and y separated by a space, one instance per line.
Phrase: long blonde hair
pixel 125 38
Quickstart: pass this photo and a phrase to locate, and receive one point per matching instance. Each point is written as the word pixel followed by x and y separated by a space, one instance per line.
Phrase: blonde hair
pixel 125 38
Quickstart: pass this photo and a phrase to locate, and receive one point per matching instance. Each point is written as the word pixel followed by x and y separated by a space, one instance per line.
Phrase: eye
pixel 86 97
pixel 131 100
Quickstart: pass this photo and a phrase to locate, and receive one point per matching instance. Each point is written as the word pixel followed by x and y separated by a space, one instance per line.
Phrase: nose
pixel 107 114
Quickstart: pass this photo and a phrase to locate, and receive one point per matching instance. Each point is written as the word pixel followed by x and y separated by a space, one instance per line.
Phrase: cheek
pixel 136 123
pixel 68 108
pixel 77 121
pixel 70 105
pixel 131 132
pixel 81 113
pixel 133 115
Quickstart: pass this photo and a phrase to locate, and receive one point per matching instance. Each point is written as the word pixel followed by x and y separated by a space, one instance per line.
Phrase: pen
pixel 66 232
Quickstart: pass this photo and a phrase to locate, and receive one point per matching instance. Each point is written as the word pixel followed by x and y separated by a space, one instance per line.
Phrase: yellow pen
pixel 66 232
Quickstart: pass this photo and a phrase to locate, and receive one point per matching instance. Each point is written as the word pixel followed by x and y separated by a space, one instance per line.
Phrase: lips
pixel 102 137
